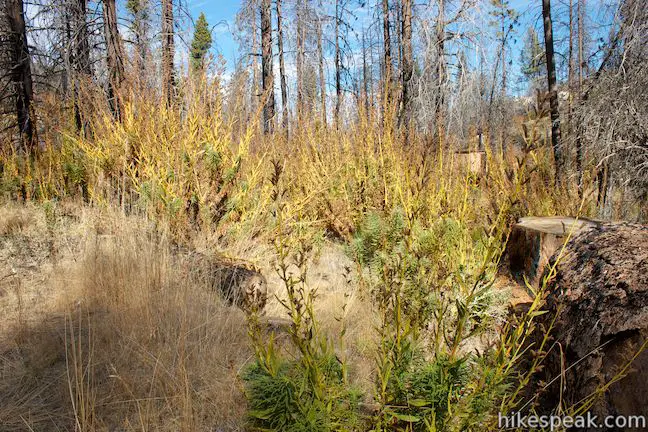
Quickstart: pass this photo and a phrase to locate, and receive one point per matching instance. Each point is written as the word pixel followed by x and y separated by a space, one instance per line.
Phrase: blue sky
pixel 222 14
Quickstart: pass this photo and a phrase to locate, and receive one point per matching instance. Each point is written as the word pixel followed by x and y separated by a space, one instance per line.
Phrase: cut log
pixel 534 240
pixel 599 299
pixel 276 324
pixel 240 283
pixel 472 161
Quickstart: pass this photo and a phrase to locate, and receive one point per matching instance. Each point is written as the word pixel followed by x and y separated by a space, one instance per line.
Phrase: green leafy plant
pixel 428 393
pixel 310 392
pixel 283 398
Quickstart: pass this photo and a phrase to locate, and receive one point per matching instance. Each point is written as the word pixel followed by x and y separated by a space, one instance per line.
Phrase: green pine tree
pixel 532 59
pixel 134 6
pixel 201 43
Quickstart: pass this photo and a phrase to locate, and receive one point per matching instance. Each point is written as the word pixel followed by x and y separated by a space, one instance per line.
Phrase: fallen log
pixel 599 299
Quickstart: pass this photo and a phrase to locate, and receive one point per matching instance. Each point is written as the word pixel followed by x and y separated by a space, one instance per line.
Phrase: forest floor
pixel 90 299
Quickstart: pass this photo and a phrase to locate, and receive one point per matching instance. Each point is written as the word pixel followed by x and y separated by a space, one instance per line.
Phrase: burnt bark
pixel 168 50
pixel 441 74
pixel 115 56
pixel 322 76
pixel 338 66
pixel 139 29
pixel 408 61
pixel 580 7
pixel 267 74
pixel 299 66
pixel 256 93
pixel 282 70
pixel 20 73
pixel 553 93
pixel 80 59
pixel 387 71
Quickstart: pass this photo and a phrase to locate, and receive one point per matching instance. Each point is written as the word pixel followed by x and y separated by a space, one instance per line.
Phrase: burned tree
pixel 338 66
pixel 299 66
pixel 79 56
pixel 168 49
pixel 19 70
pixel 551 85
pixel 320 56
pixel 114 56
pixel 139 10
pixel 408 61
pixel 266 67
pixel 387 71
pixel 440 115
pixel 282 69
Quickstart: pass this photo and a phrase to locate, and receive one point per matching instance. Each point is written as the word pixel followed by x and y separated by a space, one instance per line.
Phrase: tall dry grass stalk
pixel 134 342
pixel 203 164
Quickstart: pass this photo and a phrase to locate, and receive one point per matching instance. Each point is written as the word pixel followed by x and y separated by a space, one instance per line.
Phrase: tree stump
pixel 599 299
pixel 473 162
pixel 534 240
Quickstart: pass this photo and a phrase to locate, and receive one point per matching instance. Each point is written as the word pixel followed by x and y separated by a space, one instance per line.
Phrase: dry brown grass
pixel 13 221
pixel 128 344
pixel 113 333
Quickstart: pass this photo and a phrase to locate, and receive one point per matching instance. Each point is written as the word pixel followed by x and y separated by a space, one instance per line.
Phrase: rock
pixel 600 295
pixel 534 240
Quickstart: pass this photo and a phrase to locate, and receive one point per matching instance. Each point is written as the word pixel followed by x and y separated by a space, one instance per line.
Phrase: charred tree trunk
pixel 553 94
pixel 365 75
pixel 571 130
pixel 320 55
pixel 266 66
pixel 299 66
pixel 408 61
pixel 387 71
pixel 82 47
pixel 504 79
pixel 255 96
pixel 579 142
pixel 168 52
pixel 139 30
pixel 20 73
pixel 115 56
pixel 580 11
pixel 80 58
pixel 338 66
pixel 282 70
pixel 441 74
pixel 398 20
pixel 67 76
pixel 322 76
pixel 570 68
